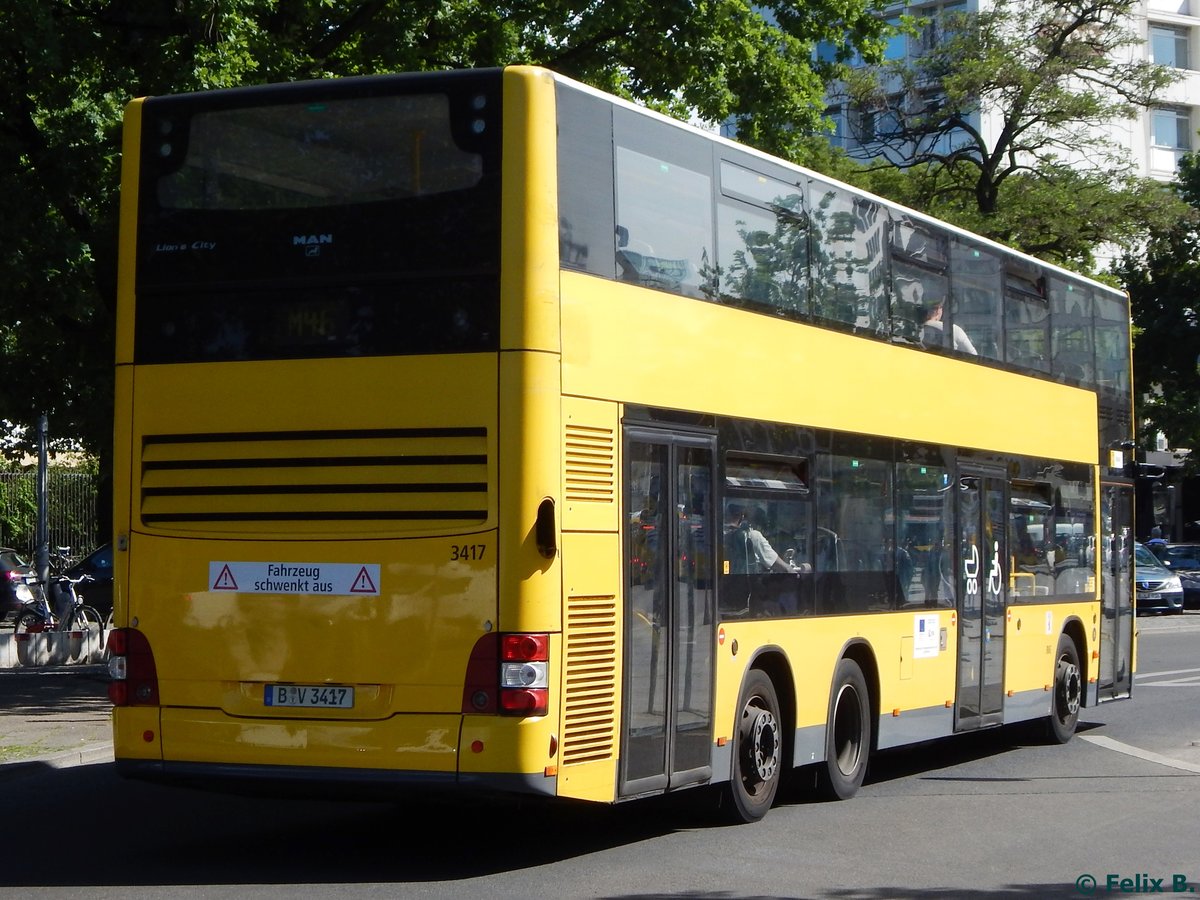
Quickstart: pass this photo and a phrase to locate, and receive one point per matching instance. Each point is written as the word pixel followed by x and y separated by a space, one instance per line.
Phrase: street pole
pixel 42 552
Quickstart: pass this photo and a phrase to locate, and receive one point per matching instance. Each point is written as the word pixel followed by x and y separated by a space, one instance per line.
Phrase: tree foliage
pixel 69 66
pixel 1164 289
pixel 1003 121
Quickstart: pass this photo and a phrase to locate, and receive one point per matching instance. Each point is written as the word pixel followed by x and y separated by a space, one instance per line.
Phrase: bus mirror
pixel 544 531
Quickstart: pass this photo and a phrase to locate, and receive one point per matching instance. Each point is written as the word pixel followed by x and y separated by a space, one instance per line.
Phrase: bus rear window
pixel 341 218
pixel 313 154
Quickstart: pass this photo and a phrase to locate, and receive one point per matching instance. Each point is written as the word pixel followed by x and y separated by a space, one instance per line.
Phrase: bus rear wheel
pixel 758 750
pixel 1068 692
pixel 847 734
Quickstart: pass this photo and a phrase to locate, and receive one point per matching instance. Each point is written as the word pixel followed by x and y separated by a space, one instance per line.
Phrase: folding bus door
pixel 666 729
pixel 1115 675
pixel 983 597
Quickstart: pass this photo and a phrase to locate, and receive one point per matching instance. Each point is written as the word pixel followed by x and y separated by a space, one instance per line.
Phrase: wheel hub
pixel 1069 687
pixel 764 745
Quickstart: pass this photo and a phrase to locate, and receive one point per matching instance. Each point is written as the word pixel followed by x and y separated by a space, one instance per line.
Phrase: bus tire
pixel 1068 692
pixel 757 752
pixel 847 734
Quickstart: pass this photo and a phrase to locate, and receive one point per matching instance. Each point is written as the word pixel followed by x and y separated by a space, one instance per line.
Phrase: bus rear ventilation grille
pixel 590 684
pixel 376 479
pixel 590 464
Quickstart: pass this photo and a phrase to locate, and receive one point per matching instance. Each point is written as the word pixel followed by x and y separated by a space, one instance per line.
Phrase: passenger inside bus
pixel 934 328
pixel 746 548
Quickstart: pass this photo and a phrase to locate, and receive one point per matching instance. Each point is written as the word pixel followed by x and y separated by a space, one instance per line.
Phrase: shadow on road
pixel 141 834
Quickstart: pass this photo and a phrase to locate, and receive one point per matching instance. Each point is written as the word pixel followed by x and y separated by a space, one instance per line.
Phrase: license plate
pixel 1149 596
pixel 315 696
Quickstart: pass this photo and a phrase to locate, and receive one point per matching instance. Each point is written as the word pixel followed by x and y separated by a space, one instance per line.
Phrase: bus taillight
pixel 524 674
pixel 134 678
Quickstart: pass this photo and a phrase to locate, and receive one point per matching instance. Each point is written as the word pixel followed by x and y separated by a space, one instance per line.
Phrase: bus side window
pixel 924 523
pixel 920 287
pixel 762 242
pixel 1111 322
pixel 766 562
pixel 1026 315
pixel 848 237
pixel 585 182
pixel 766 525
pixel 856 562
pixel 1071 332
pixel 664 211
pixel 978 302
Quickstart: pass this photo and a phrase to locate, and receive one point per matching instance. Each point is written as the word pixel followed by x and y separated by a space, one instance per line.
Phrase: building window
pixel 837 120
pixel 1171 127
pixel 826 52
pixel 897 43
pixel 940 20
pixel 863 124
pixel 1169 46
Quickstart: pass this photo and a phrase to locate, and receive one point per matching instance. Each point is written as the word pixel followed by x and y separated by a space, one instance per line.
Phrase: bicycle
pixel 61 559
pixel 69 612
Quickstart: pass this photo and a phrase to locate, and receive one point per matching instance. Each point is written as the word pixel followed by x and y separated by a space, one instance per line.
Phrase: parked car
pixel 1184 561
pixel 1158 588
pixel 97 593
pixel 15 577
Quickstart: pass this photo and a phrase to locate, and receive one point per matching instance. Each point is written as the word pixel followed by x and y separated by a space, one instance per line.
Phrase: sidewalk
pixel 54 715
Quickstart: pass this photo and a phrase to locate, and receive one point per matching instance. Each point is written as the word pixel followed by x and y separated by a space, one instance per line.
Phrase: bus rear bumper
pixel 329 782
pixel 343 758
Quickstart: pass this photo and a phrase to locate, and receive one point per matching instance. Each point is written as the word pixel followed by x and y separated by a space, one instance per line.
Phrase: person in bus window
pixel 746 548
pixel 934 328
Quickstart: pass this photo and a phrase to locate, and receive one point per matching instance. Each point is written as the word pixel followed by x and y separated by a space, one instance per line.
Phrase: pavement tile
pixel 55 715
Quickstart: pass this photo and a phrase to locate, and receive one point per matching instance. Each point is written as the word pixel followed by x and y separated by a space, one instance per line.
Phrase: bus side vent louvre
pixel 590 458
pixel 364 480
pixel 590 681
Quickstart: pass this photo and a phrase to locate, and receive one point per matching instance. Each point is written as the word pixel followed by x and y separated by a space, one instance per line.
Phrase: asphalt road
pixel 994 815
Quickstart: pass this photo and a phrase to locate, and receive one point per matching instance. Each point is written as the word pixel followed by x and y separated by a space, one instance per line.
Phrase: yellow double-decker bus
pixel 479 431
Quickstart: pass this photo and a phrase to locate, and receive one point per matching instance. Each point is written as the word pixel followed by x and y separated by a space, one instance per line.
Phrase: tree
pixel 1164 290
pixel 1002 122
pixel 69 66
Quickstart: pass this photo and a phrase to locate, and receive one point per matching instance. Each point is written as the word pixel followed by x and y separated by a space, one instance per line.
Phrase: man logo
pixel 311 240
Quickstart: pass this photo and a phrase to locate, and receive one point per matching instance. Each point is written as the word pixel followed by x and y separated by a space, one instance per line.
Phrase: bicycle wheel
pixel 28 621
pixel 85 618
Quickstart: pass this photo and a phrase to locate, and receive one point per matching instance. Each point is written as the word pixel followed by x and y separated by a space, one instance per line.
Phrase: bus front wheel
pixel 758 750
pixel 847 734
pixel 1068 692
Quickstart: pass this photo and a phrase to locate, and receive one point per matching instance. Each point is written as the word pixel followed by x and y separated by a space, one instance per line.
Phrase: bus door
pixel 982 597
pixel 666 729
pixel 1115 675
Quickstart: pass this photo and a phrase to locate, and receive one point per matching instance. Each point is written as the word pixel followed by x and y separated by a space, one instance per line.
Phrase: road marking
pixel 1193 681
pixel 1141 675
pixel 1181 683
pixel 1146 629
pixel 1129 750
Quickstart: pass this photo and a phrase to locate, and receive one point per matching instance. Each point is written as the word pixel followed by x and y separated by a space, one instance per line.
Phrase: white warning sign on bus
pixel 926 638
pixel 294 578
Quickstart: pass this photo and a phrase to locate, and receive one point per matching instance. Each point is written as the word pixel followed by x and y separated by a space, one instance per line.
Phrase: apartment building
pixel 1155 140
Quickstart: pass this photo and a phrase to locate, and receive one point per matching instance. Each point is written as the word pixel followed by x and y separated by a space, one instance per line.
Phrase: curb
pixel 87 755
pixel 52 649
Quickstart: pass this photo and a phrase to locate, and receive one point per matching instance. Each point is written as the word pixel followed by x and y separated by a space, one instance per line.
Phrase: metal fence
pixel 71 509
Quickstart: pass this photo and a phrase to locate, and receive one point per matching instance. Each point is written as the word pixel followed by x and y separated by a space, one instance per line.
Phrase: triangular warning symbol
pixel 225 581
pixel 363 583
